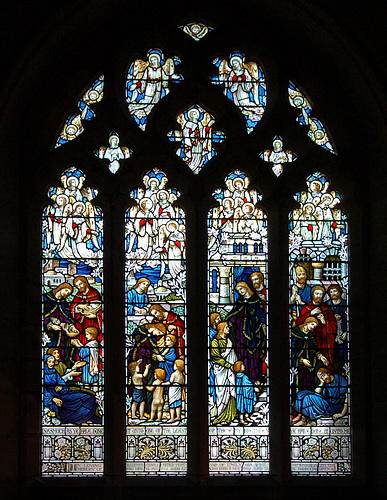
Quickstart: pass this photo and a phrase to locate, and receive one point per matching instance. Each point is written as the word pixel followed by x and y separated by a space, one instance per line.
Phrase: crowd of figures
pixel 156 361
pixel 155 306
pixel 154 227
pixel 319 305
pixel 72 303
pixel 238 354
pixel 72 352
pixel 236 212
pixel 318 216
pixel 72 224
pixel 319 351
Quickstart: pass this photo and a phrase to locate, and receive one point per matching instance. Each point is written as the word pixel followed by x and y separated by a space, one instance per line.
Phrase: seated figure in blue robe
pixel 328 400
pixel 70 407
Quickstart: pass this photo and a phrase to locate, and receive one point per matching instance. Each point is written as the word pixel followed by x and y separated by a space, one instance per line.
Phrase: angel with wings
pixel 172 249
pixel 196 137
pixel 83 232
pixel 148 82
pixel 114 152
pixel 244 85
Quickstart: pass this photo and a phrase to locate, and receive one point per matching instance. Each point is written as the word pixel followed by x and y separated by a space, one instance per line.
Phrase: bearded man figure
pixel 86 308
pixel 248 332
pixel 325 333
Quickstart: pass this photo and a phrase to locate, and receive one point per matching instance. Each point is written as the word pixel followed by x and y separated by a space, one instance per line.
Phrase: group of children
pixel 157 388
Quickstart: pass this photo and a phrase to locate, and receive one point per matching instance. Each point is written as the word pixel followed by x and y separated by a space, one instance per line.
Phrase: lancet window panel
pixel 72 436
pixel 320 376
pixel 238 331
pixel 155 291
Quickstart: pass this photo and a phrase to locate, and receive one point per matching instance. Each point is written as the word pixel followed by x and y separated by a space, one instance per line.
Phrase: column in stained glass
pixel 244 84
pixel 237 331
pixel 72 335
pixel 148 82
pixel 155 280
pixel 319 333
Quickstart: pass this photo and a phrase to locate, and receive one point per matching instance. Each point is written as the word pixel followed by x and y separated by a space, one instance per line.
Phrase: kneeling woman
pixel 71 407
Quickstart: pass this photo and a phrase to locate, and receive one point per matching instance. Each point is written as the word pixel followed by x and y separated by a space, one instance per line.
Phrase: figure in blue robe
pixel 246 397
pixel 330 401
pixel 77 406
pixel 137 297
pixel 167 365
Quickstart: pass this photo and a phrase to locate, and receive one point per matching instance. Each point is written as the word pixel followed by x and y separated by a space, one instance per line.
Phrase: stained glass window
pixel 72 335
pixel 320 387
pixel 237 331
pixel 244 84
pixel 155 280
pixel 73 126
pixel 148 82
pixel 156 430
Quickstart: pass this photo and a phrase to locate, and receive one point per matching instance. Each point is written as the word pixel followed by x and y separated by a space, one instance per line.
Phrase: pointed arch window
pixel 159 362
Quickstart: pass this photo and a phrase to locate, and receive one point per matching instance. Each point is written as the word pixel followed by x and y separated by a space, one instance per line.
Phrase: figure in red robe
pixel 173 323
pixel 325 333
pixel 86 308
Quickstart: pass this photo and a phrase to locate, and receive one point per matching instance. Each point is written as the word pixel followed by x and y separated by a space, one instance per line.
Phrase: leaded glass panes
pixel 237 331
pixel 317 132
pixel 114 153
pixel 148 82
pixel 72 334
pixel 73 126
pixel 196 30
pixel 196 137
pixel 278 155
pixel 319 333
pixel 244 84
pixel 155 284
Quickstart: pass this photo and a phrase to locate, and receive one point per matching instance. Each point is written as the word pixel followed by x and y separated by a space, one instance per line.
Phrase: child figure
pixel 89 353
pixel 245 394
pixel 167 355
pixel 176 382
pixel 158 395
pixel 138 389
